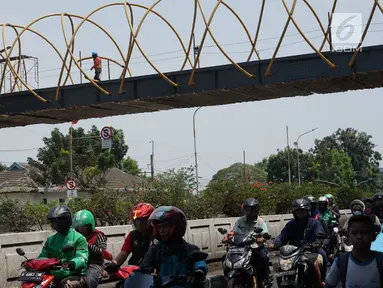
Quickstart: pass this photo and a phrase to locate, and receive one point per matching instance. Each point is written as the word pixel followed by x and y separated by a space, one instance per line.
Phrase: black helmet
pixel 378 196
pixel 300 204
pixel 173 216
pixel 63 217
pixel 311 199
pixel 251 207
pixel 368 200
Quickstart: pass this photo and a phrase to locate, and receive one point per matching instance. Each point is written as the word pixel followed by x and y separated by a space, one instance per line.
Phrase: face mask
pixel 357 212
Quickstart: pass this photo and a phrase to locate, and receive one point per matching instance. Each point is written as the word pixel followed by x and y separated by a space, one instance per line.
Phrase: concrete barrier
pixel 202 233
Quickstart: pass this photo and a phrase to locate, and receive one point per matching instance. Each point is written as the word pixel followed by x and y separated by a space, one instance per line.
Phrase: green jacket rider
pixel 60 218
pixel 325 213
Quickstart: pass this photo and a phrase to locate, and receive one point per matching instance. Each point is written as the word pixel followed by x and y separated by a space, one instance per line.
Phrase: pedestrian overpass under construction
pixel 302 75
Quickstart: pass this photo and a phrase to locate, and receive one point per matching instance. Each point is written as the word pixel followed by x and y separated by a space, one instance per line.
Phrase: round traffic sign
pixel 70 185
pixel 106 133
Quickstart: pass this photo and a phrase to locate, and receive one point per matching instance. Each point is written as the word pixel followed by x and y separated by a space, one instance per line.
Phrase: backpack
pixel 343 263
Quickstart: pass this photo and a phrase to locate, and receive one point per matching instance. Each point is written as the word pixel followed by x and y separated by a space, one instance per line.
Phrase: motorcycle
pixel 341 244
pixel 293 266
pixel 144 279
pixel 37 272
pixel 237 264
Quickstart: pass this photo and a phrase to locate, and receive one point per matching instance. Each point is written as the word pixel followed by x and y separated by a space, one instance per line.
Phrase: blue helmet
pixel 94 53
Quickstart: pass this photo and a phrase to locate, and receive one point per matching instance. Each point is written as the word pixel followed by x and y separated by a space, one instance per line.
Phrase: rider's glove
pixel 199 276
pixel 69 265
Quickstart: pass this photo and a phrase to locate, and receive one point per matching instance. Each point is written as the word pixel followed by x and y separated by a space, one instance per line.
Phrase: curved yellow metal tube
pixel 207 24
pixel 329 27
pixel 191 36
pixel 351 63
pixel 258 29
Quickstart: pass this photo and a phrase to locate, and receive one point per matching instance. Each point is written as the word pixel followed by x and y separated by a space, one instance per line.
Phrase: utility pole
pixel 195 151
pixel 288 153
pixel 244 166
pixel 70 153
pixel 152 161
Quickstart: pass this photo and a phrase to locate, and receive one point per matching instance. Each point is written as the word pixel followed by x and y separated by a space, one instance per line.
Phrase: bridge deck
pixel 301 75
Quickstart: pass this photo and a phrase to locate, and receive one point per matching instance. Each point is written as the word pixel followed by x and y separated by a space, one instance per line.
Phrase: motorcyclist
pixel 244 226
pixel 325 213
pixel 74 263
pixel 169 226
pixel 315 212
pixel 137 242
pixel 83 222
pixel 332 206
pixel 357 207
pixel 304 228
pixel 368 210
pixel 378 205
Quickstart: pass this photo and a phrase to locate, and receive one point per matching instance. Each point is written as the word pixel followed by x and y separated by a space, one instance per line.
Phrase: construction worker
pixel 96 66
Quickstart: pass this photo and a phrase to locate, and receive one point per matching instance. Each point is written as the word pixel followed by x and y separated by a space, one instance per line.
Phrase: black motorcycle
pixel 293 266
pixel 237 264
pixel 144 279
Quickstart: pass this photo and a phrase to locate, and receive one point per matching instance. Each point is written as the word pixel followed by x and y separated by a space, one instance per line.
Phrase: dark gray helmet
pixel 299 204
pixel 311 199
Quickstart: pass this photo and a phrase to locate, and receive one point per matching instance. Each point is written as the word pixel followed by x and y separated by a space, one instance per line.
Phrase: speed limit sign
pixel 106 133
pixel 70 185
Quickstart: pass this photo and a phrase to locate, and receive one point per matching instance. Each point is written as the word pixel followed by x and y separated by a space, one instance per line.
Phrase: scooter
pixel 37 272
pixel 237 264
pixel 293 266
pixel 145 279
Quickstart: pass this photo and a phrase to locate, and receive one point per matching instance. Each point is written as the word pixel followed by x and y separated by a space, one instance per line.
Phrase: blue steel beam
pixel 301 75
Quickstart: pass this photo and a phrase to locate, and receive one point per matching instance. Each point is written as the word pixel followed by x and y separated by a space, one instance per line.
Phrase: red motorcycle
pixel 37 272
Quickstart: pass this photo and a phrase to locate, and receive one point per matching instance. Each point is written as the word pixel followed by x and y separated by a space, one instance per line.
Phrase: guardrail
pixel 202 232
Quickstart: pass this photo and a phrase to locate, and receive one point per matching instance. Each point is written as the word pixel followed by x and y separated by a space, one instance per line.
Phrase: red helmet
pixel 142 210
pixel 172 215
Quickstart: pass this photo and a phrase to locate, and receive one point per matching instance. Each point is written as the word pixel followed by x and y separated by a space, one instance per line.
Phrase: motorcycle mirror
pixel 321 235
pixel 267 236
pixel 222 231
pixel 68 248
pixel 20 251
pixel 258 230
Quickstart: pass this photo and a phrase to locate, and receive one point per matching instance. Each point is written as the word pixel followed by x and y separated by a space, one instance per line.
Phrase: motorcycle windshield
pixel 139 281
pixel 238 239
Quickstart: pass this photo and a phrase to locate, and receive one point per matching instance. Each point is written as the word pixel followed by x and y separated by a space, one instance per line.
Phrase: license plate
pixel 285 273
pixel 237 251
pixel 29 276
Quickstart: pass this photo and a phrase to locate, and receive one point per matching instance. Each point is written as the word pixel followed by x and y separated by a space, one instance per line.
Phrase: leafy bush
pixel 221 198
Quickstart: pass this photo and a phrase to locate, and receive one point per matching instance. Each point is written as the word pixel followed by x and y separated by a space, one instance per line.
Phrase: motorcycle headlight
pixel 286 264
pixel 239 264
pixel 228 263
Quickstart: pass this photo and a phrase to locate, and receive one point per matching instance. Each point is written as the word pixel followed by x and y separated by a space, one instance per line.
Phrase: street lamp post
pixel 195 150
pixel 297 144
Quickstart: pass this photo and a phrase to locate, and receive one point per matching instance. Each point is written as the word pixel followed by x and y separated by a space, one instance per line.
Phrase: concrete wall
pixel 202 233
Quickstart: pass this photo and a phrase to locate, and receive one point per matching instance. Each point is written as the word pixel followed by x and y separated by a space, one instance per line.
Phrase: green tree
pixel 236 171
pixel 90 161
pixel 334 166
pixel 130 166
pixel 278 169
pixel 358 145
pixel 2 167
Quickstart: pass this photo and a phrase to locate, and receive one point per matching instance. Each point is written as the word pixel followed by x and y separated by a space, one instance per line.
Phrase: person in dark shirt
pixel 83 221
pixel 138 241
pixel 303 227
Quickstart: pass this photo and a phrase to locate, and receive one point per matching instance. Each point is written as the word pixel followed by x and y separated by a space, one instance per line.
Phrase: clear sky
pixel 223 132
